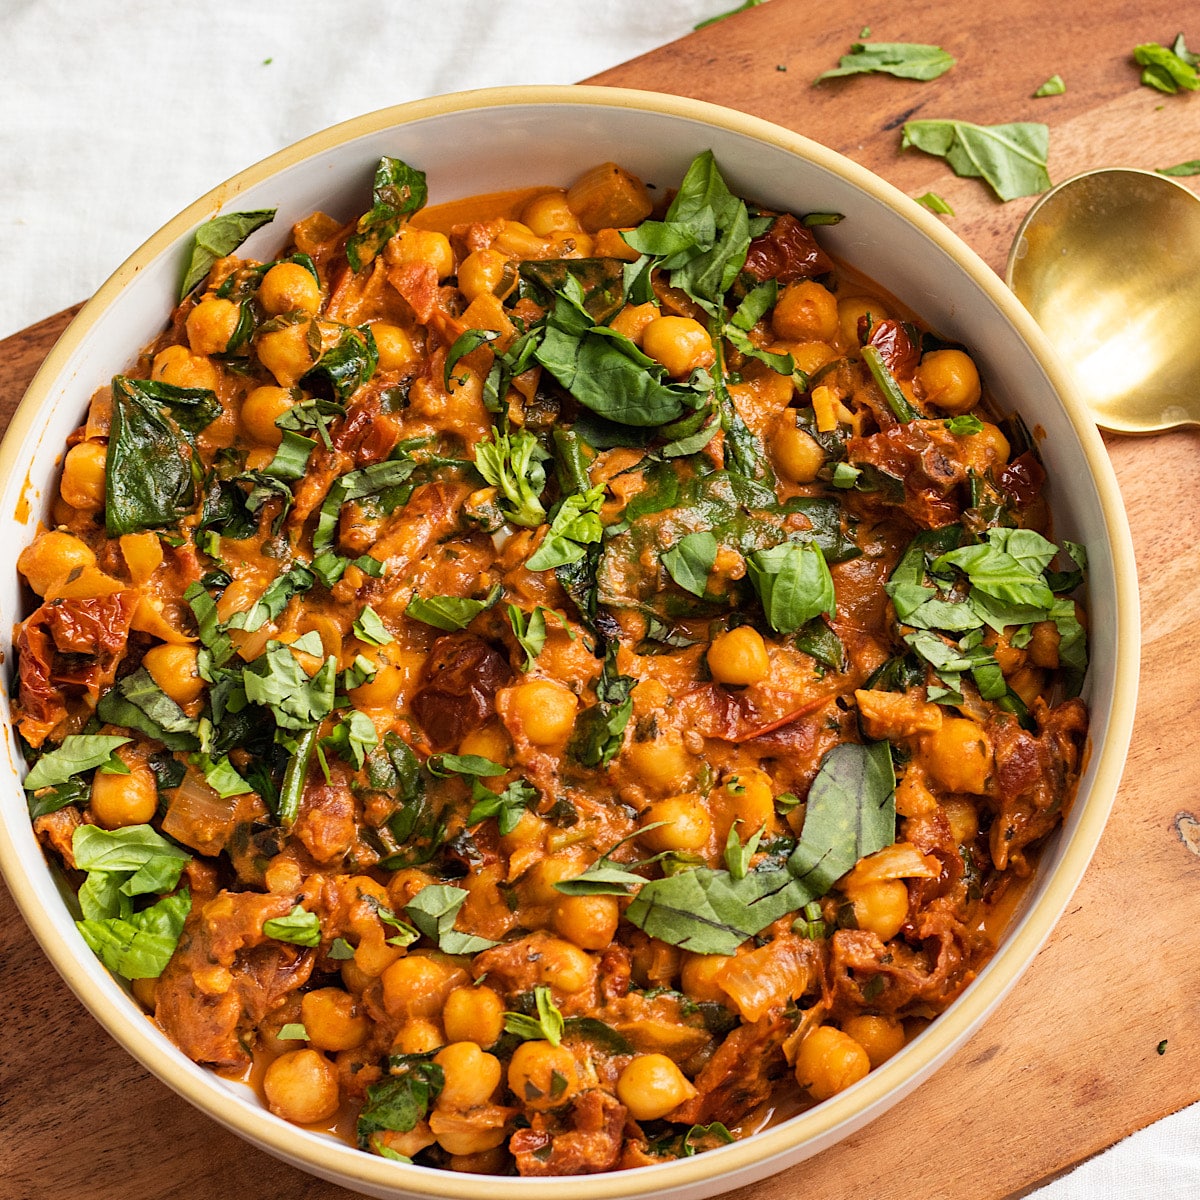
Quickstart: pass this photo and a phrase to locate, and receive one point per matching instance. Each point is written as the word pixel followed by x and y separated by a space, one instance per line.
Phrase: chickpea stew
pixel 552 679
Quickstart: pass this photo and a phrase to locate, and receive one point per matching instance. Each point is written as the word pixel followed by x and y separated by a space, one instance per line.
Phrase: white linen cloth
pixel 115 114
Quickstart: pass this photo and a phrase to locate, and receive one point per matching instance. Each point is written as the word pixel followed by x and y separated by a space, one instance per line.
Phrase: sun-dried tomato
pixel 786 252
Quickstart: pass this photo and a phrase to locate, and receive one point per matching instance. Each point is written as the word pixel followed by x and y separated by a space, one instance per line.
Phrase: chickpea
pixel 381 689
pixel 545 710
pixel 51 557
pixel 1044 644
pixel 396 349
pixel 964 820
pixel 474 1014
pixel 662 765
pixel 486 273
pixel 471 1075
pixel 549 213
pixel 83 477
pixel 738 656
pixel 482 1162
pixel 565 967
pixel 828 1061
pixel 949 379
pixel 588 921
pixel 120 800
pixel 212 324
pixel 680 344
pixel 851 310
pixel 651 1086
pixel 881 907
pixel 519 241
pixel 178 366
pixel 986 450
pixel 417 985
pixel 419 1036
pixel 333 1020
pixel 422 246
pixel 174 669
pixel 537 887
pixel 959 755
pixel 542 1076
pixel 289 287
pixel 798 455
pixel 806 312
pixel 461 1138
pixel 699 974
pixel 490 742
pixel 687 825
pixel 285 352
pixel 301 1087
pixel 753 798
pixel 633 319
pixel 880 1037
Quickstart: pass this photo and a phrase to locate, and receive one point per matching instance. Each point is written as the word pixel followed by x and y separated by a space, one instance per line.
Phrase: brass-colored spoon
pixel 1108 263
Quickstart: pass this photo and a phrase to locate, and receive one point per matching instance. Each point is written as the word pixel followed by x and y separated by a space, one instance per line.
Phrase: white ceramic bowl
pixel 492 140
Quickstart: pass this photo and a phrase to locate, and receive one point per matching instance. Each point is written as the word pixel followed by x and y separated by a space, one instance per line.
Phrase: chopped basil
pixel 1054 86
pixel 507 806
pixel 300 927
pixel 547 1026
pixel 793 582
pixel 295 580
pixel 575 526
pixel 1167 70
pixel 600 730
pixel 353 738
pixel 368 627
pixel 1191 167
pixel 690 561
pixel 276 681
pixel 934 202
pixel 217 238
pixel 293 1031
pixel 433 911
pixel 221 776
pixel 344 367
pixel 397 1102
pixel 441 765
pixel 905 60
pixel 139 945
pixel 78 752
pixel 1010 158
pixel 450 612
pixel 137 702
pixel 367 481
pixel 399 191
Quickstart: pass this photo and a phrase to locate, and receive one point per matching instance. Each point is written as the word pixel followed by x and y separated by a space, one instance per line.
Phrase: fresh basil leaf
pixel 212 635
pixel 450 612
pixel 441 765
pixel 366 481
pixel 368 627
pixel 602 878
pixel 1010 158
pixel 507 806
pixel 905 60
pixel 217 238
pixel 690 561
pixel 513 463
pixel 294 581
pixel 276 681
pixel 745 4
pixel 964 425
pixel 291 459
pixel 997 574
pixel 398 1101
pixel 738 855
pixel 1191 167
pixel 466 342
pixel 123 850
pixel 221 776
pixel 137 702
pixel 300 928
pixel 547 1026
pixel 1165 70
pixel 575 526
pixel 1054 86
pixel 793 582
pixel 353 738
pixel 139 945
pixel 433 911
pixel 934 202
pixel 530 631
pixel 78 752
pixel 399 191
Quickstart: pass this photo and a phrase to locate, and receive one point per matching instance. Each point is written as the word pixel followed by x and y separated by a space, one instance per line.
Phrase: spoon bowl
pixel 1107 264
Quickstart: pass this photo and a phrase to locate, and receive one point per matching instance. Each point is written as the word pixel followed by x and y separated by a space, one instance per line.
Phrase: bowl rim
pixel 822 1124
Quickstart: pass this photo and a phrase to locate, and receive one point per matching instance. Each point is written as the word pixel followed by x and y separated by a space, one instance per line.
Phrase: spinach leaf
pixel 600 730
pixel 291 459
pixel 547 1026
pixel 905 60
pixel 513 463
pixel 300 927
pixel 574 527
pixel 217 238
pixel 138 945
pixel 793 582
pixel 897 401
pixel 1010 158
pixel 1167 70
pixel 78 752
pixel 399 191
pixel 344 367
pixel 690 561
pixel 137 702
pixel 433 911
pixel 402 1098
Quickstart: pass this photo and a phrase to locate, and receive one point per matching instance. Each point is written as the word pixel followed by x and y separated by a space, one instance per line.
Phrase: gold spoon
pixel 1108 264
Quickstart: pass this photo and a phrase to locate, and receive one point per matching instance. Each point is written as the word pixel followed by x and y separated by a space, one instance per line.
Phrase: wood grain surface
pixel 1069 1063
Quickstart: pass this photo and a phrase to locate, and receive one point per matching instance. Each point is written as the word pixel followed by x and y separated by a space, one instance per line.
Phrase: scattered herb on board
pixel 721 16
pixel 1011 159
pixel 905 60
pixel 1161 1048
pixel 1191 167
pixel 934 202
pixel 1166 70
pixel 1054 86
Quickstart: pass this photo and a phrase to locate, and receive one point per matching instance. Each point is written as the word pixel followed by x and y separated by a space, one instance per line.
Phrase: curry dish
pixel 546 682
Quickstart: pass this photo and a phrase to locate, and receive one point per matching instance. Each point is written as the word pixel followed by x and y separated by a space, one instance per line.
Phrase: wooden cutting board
pixel 1069 1063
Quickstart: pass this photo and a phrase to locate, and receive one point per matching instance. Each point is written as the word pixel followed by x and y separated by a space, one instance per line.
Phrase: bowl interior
pixel 492 141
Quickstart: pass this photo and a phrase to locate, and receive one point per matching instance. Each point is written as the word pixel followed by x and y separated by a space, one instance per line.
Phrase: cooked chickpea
pixel 422 246
pixel 686 824
pixel 949 380
pixel 588 921
pixel 537 887
pixel 829 1061
pixel 959 755
pixel 461 1138
pixel 651 1086
pixel 285 352
pixel 798 455
pixel 175 670
pixel 120 800
pixel 633 319
pixel 753 798
pixel 661 764
pixel 490 742
pixel 471 1075
pixel 486 273
pixel 1043 645
pixel 301 1087
pixel 698 977
pixel 212 324
pixel 963 819
pixel 851 310
pixel 806 312
pixel 986 450
pixel 474 1014
pixel 880 1037
pixel 420 1036
pixel 396 349
pixel 333 1020
pixel 381 689
pixel 542 1076
pixel 51 557
pixel 83 477
pixel 417 985
pixel 289 287
pixel 565 967
pixel 738 656
pixel 550 213
pixel 518 240
pixel 545 709
pixel 881 907
pixel 680 344
pixel 178 366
